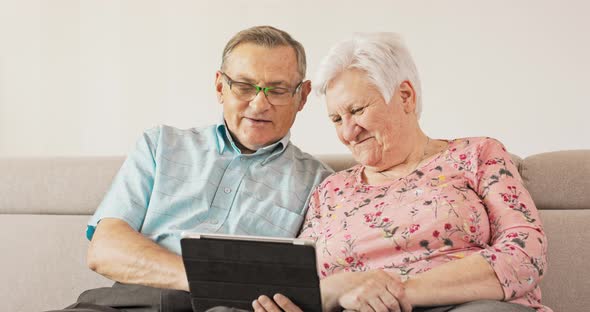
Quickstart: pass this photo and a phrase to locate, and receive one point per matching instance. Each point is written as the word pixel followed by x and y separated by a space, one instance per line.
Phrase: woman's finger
pixel 390 301
pixel 366 308
pixel 376 304
pixel 398 292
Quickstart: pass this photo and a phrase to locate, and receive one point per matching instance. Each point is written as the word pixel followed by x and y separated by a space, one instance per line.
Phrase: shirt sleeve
pixel 129 195
pixel 311 228
pixel 518 247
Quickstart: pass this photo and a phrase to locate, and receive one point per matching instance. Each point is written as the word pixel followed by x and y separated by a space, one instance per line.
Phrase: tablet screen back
pixel 229 272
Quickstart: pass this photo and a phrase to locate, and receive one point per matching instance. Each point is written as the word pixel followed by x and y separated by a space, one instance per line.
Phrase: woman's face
pixel 377 133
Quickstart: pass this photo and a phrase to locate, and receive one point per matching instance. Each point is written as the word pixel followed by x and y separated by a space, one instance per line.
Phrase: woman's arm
pixel 459 281
pixel 513 262
pixel 517 249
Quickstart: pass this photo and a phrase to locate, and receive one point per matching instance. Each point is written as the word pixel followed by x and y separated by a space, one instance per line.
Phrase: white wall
pixel 86 77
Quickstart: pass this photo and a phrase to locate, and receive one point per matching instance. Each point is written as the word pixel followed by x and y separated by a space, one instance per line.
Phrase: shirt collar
pixel 272 151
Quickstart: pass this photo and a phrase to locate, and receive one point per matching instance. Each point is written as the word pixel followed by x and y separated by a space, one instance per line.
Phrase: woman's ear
pixel 408 96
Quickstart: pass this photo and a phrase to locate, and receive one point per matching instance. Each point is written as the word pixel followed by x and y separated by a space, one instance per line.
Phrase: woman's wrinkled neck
pixel 399 163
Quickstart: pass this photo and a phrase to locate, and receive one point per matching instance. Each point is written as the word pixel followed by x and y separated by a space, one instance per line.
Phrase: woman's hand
pixel 361 291
pixel 280 303
pixel 380 292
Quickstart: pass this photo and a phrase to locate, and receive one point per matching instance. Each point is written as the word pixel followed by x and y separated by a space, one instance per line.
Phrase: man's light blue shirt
pixel 198 180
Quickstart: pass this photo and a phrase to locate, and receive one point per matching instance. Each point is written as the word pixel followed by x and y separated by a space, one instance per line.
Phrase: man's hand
pixel 280 303
pixel 381 292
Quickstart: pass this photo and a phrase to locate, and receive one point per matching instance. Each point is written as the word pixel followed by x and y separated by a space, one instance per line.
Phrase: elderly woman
pixel 420 223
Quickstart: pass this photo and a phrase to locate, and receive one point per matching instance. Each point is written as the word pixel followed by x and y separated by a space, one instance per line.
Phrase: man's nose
pixel 260 102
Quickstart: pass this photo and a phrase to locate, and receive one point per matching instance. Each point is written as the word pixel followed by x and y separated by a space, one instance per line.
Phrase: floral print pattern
pixel 468 199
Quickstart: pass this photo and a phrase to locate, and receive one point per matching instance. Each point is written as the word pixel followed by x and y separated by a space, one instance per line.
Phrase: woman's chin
pixel 366 159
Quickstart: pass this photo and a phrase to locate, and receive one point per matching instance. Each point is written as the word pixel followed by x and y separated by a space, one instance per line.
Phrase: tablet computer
pixel 233 270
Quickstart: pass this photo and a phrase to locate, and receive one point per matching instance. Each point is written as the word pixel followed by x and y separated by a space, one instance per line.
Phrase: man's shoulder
pixel 172 131
pixel 294 155
pixel 169 135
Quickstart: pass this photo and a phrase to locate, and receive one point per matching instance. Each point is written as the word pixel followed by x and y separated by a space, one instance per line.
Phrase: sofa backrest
pixel 46 202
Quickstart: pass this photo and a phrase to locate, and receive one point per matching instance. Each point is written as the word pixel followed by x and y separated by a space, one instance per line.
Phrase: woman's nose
pixel 350 129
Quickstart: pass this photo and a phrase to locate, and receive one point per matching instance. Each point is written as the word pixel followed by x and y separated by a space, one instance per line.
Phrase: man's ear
pixel 219 86
pixel 305 90
pixel 408 96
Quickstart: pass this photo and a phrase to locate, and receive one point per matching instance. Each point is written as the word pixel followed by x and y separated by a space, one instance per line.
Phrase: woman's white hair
pixel 383 56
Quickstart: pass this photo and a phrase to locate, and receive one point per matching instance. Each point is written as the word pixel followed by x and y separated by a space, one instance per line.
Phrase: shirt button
pixel 213 221
pixel 227 190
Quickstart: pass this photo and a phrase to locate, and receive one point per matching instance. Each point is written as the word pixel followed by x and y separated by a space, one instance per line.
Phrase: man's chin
pixel 254 145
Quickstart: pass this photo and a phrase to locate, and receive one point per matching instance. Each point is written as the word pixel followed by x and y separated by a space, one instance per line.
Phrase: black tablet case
pixel 235 272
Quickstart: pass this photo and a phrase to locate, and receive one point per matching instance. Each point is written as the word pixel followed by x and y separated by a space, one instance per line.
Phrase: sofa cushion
pixel 44 262
pixel 558 180
pixel 565 286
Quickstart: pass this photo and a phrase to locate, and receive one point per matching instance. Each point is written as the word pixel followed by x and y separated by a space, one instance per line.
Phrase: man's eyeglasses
pixel 245 91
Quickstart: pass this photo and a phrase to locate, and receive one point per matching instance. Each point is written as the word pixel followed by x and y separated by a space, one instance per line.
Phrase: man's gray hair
pixel 383 56
pixel 269 37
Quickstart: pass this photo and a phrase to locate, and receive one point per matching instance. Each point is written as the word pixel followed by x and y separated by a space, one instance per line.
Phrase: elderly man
pixel 225 178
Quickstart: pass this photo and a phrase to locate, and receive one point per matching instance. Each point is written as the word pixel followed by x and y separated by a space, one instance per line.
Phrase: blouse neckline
pixel 357 173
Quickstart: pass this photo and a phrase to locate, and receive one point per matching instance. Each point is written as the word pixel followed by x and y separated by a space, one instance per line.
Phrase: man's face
pixel 257 123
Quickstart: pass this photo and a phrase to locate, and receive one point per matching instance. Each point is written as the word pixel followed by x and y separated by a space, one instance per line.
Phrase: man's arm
pixel 120 253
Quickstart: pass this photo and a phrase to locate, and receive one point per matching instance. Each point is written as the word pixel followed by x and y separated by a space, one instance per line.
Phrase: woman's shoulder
pixel 341 176
pixel 475 144
pixel 478 150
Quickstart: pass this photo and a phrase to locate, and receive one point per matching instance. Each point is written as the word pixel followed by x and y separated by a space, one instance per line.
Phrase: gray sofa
pixel 45 203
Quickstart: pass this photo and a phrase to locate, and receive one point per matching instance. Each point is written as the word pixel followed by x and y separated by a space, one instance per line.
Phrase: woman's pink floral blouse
pixel 468 199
